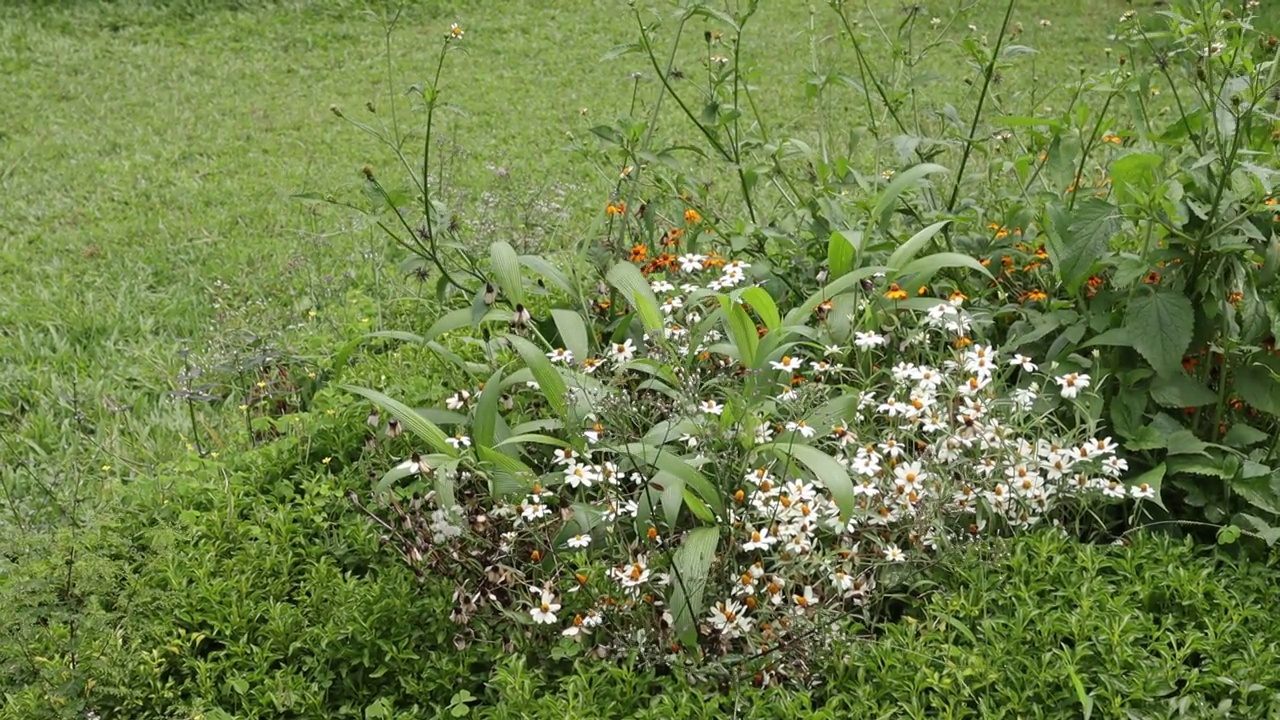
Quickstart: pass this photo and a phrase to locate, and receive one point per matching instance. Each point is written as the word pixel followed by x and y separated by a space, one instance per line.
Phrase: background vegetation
pixel 164 292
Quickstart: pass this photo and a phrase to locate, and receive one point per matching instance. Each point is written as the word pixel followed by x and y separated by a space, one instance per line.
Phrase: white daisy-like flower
pixel 561 355
pixel 578 541
pixel 894 554
pixel 805 599
pixel 544 608
pixel 622 352
pixel 1142 492
pixel 414 464
pixel 691 262
pixel 458 400
pixel 1024 362
pixel 711 407
pixel 1072 383
pixel 672 304
pixel 590 365
pixel 801 427
pixel 661 286
pixel 759 540
pixel 788 363
pixel 868 340
pixel 459 441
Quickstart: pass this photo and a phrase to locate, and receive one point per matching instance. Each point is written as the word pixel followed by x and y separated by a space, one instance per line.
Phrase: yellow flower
pixel 691 217
pixel 896 293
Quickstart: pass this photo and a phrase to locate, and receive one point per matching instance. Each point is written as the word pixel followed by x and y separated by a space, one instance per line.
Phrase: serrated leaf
pixel 1243 436
pixel 1160 324
pixel 1180 391
pixel 902 182
pixel 1087 234
pixel 1153 478
pixel 410 418
pixel 505 264
pixel 573 332
pixel 627 280
pixel 692 565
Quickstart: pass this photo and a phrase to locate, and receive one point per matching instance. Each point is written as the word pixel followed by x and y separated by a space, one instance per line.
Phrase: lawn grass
pixel 150 154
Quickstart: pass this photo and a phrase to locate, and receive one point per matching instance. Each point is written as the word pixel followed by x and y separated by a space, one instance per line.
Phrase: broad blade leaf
pixel 573 332
pixel 1160 325
pixel 628 280
pixel 506 267
pixel 412 419
pixel 692 565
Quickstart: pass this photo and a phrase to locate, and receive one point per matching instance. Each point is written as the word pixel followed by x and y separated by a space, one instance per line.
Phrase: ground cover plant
pixel 701 408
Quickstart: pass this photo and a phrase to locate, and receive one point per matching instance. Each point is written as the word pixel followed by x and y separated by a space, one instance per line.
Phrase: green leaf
pixel 628 281
pixel 901 183
pixel 1243 436
pixel 800 314
pixel 1180 391
pixel 760 301
pixel 1134 175
pixel 664 460
pixel 827 471
pixel 1153 478
pixel 410 418
pixel 539 265
pixel 1258 388
pixel 485 424
pixel 549 380
pixel 930 264
pixel 741 329
pixel 449 322
pixel 505 264
pixel 573 332
pixel 1160 325
pixel 912 247
pixel 842 250
pixel 1087 234
pixel 692 565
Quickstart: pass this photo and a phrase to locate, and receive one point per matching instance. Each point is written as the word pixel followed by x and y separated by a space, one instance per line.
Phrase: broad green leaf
pixel 1134 175
pixel 633 286
pixel 1160 325
pixel 539 265
pixel 691 565
pixel 926 266
pixel 1077 240
pixel 902 182
pixel 505 264
pixel 410 418
pixel 1243 436
pixel 1259 389
pixel 573 333
pixel 550 382
pixel 507 475
pixel 1180 391
pixel 672 496
pixel 760 301
pixel 827 471
pixel 665 460
pixel 449 322
pixel 533 438
pixel 799 315
pixel 741 329
pixel 907 251
pixel 1153 478
pixel 842 251
pixel 485 423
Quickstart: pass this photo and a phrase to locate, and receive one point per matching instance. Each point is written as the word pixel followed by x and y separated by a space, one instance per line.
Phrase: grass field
pixel 151 154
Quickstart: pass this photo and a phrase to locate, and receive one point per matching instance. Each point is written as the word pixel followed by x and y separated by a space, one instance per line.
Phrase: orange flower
pixel 616 208
pixel 922 290
pixel 671 237
pixel 639 253
pixel 1035 296
pixel 957 295
pixel 896 293
pixel 1235 298
pixel 691 217
pixel 1152 278
pixel 963 342
pixel 714 259
pixel 1111 138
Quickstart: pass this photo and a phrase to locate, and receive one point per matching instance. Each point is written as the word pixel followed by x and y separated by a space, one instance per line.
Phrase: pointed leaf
pixel 628 281
pixel 826 470
pixel 412 420
pixel 909 249
pixel 760 301
pixel 505 264
pixel 573 333
pixel 1160 324
pixel 901 183
pixel 692 565
pixel 550 382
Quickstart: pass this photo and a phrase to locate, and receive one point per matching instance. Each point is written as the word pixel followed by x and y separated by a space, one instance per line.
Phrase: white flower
pixel 802 428
pixel 544 608
pixel 414 464
pixel 910 475
pixel 1142 492
pixel 459 441
pixel 1024 362
pixel 806 599
pixel 763 433
pixel 579 541
pixel 672 304
pixel 894 554
pixel 867 340
pixel 729 618
pixel 1025 398
pixel 458 400
pixel 760 540
pixel 691 262
pixel 560 355
pixel 1113 489
pixel 661 286
pixel 633 575
pixel 591 364
pixel 1072 384
pixel 711 407
pixel 577 475
pixel 787 363
pixel 623 352
pixel 689 288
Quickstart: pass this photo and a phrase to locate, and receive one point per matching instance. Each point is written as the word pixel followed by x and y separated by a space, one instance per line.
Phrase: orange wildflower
pixel 1036 295
pixel 896 293
pixel 1111 138
pixel 691 217
pixel 671 237
pixel 616 208
pixel 1152 278
pixel 714 259
pixel 957 295
pixel 639 253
